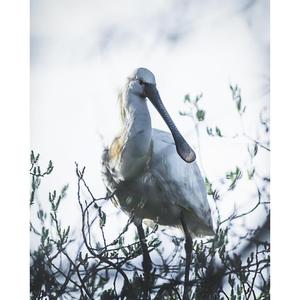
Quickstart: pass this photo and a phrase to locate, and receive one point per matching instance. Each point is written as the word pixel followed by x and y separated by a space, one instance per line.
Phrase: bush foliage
pixel 92 265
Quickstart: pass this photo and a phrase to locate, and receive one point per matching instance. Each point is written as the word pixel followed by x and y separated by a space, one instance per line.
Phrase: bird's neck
pixel 137 134
pixel 137 118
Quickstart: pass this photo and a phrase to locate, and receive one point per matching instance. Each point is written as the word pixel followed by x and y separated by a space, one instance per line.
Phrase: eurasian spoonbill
pixel 152 173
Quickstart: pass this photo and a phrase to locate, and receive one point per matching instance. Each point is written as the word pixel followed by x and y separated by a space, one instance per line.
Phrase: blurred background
pixel 82 52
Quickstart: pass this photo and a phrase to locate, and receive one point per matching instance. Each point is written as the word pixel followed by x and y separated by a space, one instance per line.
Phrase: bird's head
pixel 138 79
pixel 142 83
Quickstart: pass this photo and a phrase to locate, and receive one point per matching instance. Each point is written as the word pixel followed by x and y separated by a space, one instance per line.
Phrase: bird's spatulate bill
pixel 182 147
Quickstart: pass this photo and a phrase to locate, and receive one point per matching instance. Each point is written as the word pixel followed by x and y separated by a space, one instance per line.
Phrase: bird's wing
pixel 184 179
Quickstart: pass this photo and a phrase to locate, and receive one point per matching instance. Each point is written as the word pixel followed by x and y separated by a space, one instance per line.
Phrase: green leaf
pixel 32 157
pixel 198 97
pixel 200 114
pixel 218 131
pixel 40 214
pixel 63 192
pixel 255 149
pixel 238 104
pixel 187 98
pixel 209 131
pixel 234 176
pixel 216 195
pixel 50 167
pixel 208 186
pixel 252 149
pixel 251 173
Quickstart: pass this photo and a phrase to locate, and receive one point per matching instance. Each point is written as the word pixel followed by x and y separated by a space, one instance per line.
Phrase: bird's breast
pixel 148 197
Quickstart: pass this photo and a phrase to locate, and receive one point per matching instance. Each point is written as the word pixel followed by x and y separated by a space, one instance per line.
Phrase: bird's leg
pixel 188 250
pixel 147 263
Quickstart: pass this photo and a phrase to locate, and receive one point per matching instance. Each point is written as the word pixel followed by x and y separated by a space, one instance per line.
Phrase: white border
pixel 285 86
pixel 14 153
pixel 285 98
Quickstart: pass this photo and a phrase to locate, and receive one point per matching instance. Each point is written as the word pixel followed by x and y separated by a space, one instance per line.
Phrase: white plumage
pixel 144 170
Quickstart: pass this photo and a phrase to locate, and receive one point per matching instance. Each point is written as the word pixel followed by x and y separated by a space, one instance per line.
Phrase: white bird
pixel 152 173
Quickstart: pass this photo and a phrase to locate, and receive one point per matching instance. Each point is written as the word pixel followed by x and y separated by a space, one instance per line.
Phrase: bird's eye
pixel 141 82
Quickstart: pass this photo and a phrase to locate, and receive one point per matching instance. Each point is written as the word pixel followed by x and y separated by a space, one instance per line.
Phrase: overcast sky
pixel 82 51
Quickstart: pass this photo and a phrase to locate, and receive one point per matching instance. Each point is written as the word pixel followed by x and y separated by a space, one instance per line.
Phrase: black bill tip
pixel 184 150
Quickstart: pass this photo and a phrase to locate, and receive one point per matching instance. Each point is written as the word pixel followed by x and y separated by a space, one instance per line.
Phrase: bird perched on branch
pixel 152 173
